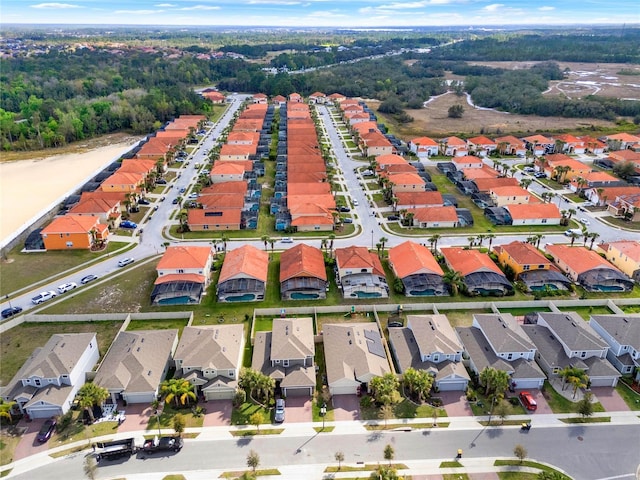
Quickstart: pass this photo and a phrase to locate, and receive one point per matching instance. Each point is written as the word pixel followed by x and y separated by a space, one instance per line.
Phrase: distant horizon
pixel 354 14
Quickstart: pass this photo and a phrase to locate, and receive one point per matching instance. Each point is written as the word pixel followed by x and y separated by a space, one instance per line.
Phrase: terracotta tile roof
pixel 312 220
pixel 510 192
pixel 253 137
pixel 510 140
pixel 579 259
pixel 227 168
pixel 184 257
pixel 407 199
pixel 174 136
pixel 524 253
pixel 597 177
pixel 73 224
pixel 336 96
pixel 453 141
pixel 613 192
pixel 540 139
pixel 326 201
pixel 468 261
pixel 223 188
pixel 305 177
pixel 259 95
pixel 248 125
pixel 591 141
pixel 108 196
pixel 486 184
pixel 534 211
pixel 481 140
pixel 317 94
pixel 180 277
pixel 279 99
pixel 623 137
pixel 143 166
pixel 222 201
pixel 410 258
pixel 124 178
pixel 629 248
pixel 375 139
pixel 406 179
pixel 425 141
pixel 399 168
pixel 562 160
pixel 302 261
pixel 567 138
pixel 390 159
pixel 238 149
pixel 246 261
pixel 358 257
pixel 302 208
pixel 478 173
pixel 470 159
pixel 317 167
pixel 311 188
pixel 625 155
pixel 214 96
pixel 93 205
pixel 435 214
pixel 200 216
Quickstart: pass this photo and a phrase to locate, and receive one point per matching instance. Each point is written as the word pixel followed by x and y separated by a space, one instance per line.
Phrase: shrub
pixel 366 402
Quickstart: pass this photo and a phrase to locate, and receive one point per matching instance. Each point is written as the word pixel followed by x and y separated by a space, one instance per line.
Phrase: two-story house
pixel 74 232
pixel 501 196
pixel 481 145
pixel 360 273
pixel 183 275
pixel 622 334
pixel 286 354
pixel 47 383
pixel 423 147
pixel 210 358
pixel 498 341
pixel 480 275
pixel 428 342
pixel 566 340
pixel 624 254
pixel 302 273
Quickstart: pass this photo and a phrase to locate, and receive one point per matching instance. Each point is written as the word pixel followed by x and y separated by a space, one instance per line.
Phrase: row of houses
pixel 88 222
pixel 210 357
pixel 232 201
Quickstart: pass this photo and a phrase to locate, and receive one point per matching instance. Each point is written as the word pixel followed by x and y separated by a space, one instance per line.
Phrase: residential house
pixel 354 355
pixel 336 98
pixel 484 185
pixel 183 275
pixel 484 171
pixel 286 354
pixel 237 152
pixel 510 145
pixel 227 172
pixel 215 97
pixel 481 145
pixel 564 168
pixel 534 214
pixel 589 269
pixel 406 182
pixel 593 145
pixel 360 273
pixel 260 98
pixel 210 358
pixel 279 100
pixel 480 275
pixel 569 144
pixel 626 206
pixel 410 200
pixel 136 364
pixel 624 254
pixel 565 340
pixel 453 147
pixel 622 334
pixel 107 210
pixel 416 267
pixel 501 196
pixel 243 276
pixel 467 161
pixel 74 232
pixel 46 384
pixel 626 156
pixel 423 147
pixel 540 145
pixel 429 343
pixel 498 341
pixel 217 219
pixel 436 217
pixel 595 179
pixel 303 274
pixel 608 195
pixel 383 162
pixel 310 217
pixel 125 182
pixel 622 141
pixel 317 97
pixel 374 144
pixel 531 267
pixel 295 98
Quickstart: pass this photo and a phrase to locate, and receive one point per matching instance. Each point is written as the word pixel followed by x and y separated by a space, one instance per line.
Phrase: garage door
pixel 602 382
pixel 452 386
pixel 47 412
pixel 343 390
pixel 297 392
pixel 219 395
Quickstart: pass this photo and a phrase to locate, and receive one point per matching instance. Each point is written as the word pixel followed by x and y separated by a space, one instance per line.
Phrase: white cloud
pixel 55 5
pixel 273 2
pixel 546 9
pixel 201 7
pixel 137 12
pixel 165 5
pixel 407 5
pixel 493 7
pixel 323 14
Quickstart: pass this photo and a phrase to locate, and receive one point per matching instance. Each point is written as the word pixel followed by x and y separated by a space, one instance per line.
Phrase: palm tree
pixel 383 241
pixel 525 182
pixel 224 239
pixel 5 410
pixel 471 241
pixel 433 240
pixel 455 280
pixel 573 236
pixel 323 244
pixel 490 237
pixel 593 236
pixel 571 212
pixel 265 239
pixel 538 238
pixel 179 390
pixel 378 247
pixel 480 239
pixel 90 395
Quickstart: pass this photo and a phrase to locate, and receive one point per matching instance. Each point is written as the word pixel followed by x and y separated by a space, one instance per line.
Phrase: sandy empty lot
pixel 28 187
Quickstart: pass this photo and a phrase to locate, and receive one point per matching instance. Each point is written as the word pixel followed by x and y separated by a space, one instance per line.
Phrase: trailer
pixel 115 449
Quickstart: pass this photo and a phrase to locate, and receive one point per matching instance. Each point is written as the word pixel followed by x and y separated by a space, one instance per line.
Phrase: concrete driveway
pixel 346 407
pixel 136 417
pixel 218 413
pixel 455 404
pixel 610 399
pixel 298 410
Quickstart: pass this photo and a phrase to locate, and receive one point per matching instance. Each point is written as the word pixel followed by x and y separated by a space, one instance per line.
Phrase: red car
pixel 528 401
pixel 46 430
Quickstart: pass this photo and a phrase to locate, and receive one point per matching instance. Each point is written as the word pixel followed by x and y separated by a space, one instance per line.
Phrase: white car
pixel 584 221
pixel 193 195
pixel 355 202
pixel 43 297
pixel 286 240
pixel 65 287
pixel 126 261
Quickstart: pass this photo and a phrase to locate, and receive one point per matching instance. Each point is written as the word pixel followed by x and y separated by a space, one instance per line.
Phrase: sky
pixel 322 13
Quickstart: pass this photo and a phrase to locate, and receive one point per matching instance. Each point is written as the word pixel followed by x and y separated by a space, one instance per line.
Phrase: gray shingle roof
pixel 572 331
pixel 58 356
pixel 624 328
pixel 434 334
pixel 211 347
pixel 292 338
pixel 136 360
pixel 503 333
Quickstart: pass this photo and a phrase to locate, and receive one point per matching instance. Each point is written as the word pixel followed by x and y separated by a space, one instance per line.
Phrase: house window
pixel 69 244
pixel 544 220
pixel 510 356
pixel 526 267
pixel 285 363
pixel 541 267
pixel 180 270
pixel 231 373
pixel 436 357
pixel 37 382
pixel 583 354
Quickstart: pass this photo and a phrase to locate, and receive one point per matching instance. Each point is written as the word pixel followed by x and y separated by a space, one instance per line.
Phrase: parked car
pixel 355 202
pixel 393 217
pixel 584 221
pixel 46 430
pixel 143 201
pixel 128 224
pixel 286 240
pixel 193 195
pixel 347 220
pixel 182 190
pixel 279 413
pixel 43 297
pixel 528 401
pixel 345 209
pixel 540 175
pixel 174 201
pixel 161 181
pixel 573 231
pixel 87 279
pixel 163 444
pixel 125 261
pixel 529 169
pixel 65 287
pixel 11 311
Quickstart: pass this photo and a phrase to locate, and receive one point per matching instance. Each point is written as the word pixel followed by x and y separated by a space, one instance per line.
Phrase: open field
pixel 433 121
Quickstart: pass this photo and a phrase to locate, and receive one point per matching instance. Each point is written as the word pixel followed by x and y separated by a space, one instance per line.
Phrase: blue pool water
pixel 366 294
pixel 247 297
pixel 608 288
pixel 175 301
pixel 304 296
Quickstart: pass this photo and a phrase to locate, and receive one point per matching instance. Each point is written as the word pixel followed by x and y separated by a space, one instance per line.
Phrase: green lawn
pixel 462 318
pixel 560 404
pixel 19 342
pixel 404 409
pixel 619 222
pixel 262 324
pixel 178 324
pixel 30 269
pixel 240 415
pixel 586 312
pixel 166 418
pixel 516 312
pixel 630 397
